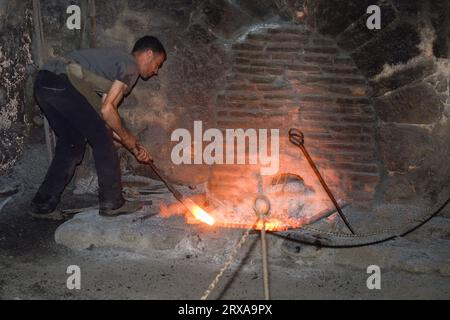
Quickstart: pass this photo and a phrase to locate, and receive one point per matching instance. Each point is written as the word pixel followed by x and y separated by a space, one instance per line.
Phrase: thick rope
pixel 265 265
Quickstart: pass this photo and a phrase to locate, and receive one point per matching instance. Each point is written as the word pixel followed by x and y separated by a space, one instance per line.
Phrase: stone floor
pixel 426 251
pixel 165 258
pixel 153 236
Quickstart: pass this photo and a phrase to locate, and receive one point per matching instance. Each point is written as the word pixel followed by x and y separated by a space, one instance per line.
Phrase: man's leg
pixel 75 109
pixel 69 151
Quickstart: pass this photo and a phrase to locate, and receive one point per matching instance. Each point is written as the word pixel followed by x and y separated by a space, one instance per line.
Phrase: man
pixel 80 95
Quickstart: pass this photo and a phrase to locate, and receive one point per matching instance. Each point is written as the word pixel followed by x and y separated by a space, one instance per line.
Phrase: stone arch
pixel 288 76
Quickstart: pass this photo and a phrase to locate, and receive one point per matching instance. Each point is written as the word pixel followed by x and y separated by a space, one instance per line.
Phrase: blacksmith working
pixel 79 95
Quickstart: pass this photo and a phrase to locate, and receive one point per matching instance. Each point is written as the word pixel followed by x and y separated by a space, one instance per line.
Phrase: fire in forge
pixel 203 150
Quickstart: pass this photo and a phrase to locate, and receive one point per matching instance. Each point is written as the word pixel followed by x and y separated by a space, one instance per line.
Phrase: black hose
pixel 317 241
pixel 297 138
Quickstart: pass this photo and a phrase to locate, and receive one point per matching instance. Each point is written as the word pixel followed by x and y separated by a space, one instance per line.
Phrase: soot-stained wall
pixel 196 35
pixel 15 70
pixel 405 63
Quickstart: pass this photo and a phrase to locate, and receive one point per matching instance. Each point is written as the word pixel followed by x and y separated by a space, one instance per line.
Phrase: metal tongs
pixel 297 138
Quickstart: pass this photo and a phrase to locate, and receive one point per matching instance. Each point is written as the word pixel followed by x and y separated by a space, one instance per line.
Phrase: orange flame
pixel 271 225
pixel 198 212
pixel 219 219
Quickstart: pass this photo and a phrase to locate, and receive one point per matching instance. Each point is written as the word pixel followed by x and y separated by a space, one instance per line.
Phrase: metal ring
pixel 296 137
pixel 262 210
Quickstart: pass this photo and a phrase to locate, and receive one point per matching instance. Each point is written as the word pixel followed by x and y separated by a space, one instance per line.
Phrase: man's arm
pixel 112 118
pixel 111 115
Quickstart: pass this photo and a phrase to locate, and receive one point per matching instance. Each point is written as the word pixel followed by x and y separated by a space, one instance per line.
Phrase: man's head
pixel 150 56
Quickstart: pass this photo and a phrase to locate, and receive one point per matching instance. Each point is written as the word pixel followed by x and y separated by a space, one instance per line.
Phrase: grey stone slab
pixel 152 237
pixel 401 255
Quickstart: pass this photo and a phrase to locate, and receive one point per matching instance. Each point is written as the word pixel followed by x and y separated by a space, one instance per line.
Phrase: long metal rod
pixel 264 259
pixel 297 138
pixel 327 190
pixel 262 210
pixel 169 186
pixel 177 194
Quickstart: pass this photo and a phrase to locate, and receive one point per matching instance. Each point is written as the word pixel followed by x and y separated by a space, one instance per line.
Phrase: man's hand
pixel 130 142
pixel 142 154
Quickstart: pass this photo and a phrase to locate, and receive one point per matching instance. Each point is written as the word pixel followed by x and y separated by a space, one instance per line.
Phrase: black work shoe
pixel 127 208
pixel 44 204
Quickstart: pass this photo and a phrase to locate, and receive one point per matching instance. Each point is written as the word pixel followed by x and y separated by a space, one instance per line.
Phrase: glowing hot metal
pixel 196 211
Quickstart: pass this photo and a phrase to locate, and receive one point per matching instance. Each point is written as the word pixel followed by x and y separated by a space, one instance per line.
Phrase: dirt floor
pixel 33 266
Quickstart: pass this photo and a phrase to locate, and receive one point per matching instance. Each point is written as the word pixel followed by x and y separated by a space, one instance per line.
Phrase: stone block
pixel 416 160
pixel 357 33
pixel 331 17
pixel 417 104
pixel 399 255
pixel 156 236
pixel 395 78
pixel 403 148
pixel 396 44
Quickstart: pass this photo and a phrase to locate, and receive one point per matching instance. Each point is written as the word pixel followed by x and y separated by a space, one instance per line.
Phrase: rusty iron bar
pixel 297 138
pixel 186 202
pixel 264 259
pixel 262 210
pixel 169 186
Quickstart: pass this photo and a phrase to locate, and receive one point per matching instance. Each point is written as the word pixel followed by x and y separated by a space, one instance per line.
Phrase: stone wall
pixel 400 119
pixel 195 34
pixel 290 77
pixel 407 65
pixel 15 67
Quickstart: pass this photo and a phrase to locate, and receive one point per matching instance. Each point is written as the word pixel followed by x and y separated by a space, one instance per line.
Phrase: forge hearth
pixel 369 91
pixel 171 237
pixel 292 202
pixel 289 77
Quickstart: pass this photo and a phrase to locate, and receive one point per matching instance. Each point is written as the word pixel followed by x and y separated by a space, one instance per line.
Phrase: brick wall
pixel 289 77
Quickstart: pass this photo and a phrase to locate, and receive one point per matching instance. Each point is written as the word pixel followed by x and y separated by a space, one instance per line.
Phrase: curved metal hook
pixel 296 137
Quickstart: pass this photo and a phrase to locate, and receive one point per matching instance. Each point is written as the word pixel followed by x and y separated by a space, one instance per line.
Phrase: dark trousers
pixel 75 122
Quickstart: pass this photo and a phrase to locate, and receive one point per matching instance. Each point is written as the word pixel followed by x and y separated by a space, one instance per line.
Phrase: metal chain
pixel 228 263
pixel 377 232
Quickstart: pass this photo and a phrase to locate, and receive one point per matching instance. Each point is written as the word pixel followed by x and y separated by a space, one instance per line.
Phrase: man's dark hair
pixel 149 43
